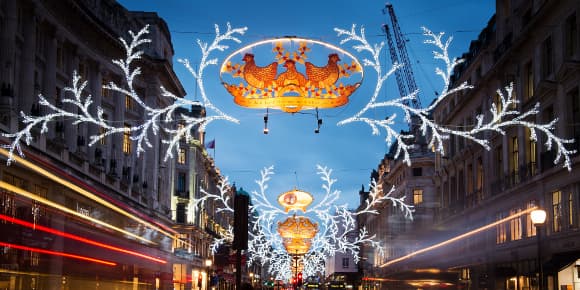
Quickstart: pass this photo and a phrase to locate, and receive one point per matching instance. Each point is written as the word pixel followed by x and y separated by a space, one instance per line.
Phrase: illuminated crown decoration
pixel 295 200
pixel 297 233
pixel 290 82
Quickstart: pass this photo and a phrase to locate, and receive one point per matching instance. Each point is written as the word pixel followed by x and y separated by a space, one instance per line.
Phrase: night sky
pixel 292 147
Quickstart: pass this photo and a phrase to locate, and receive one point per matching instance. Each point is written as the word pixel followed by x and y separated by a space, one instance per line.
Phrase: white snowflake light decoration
pixel 501 118
pixel 337 226
pixel 338 231
pixel 162 117
pixel 156 118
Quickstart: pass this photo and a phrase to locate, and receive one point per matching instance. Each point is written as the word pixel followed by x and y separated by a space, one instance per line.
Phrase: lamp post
pixel 538 217
pixel 208 264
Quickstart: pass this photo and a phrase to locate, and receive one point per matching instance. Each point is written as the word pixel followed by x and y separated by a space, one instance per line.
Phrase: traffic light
pixel 241 203
pixel 299 280
pixel 294 281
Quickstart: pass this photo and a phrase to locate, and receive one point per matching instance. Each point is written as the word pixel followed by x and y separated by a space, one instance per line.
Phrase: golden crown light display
pixel 297 233
pixel 296 74
pixel 295 200
pixel 297 246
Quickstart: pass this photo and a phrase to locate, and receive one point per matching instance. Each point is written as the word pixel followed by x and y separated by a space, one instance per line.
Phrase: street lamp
pixel 208 264
pixel 538 217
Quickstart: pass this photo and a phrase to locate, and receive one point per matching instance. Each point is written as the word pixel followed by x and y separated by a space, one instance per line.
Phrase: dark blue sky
pixel 291 146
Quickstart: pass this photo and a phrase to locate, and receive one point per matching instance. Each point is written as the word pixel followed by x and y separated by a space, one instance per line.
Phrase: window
pixel 480 179
pixel 34 259
pixel 574 97
pixel 82 71
pixel 105 93
pixel 499 162
pixel 345 263
pixel 531 151
pixel 181 158
pixel 514 160
pixel 548 115
pixel 417 196
pixel 41 191
pixel 13 179
pixel 470 179
pixel 572 222
pixel 465 274
pixel 129 103
pixel 547 57
pixel 571 36
pixel 181 182
pixel 127 143
pixel 501 230
pixel 529 81
pixel 452 145
pixel 557 211
pixel 497 102
pixel 102 130
pixel 516 225
pixel 180 213
pixel 60 56
pixel 418 171
pixel 530 228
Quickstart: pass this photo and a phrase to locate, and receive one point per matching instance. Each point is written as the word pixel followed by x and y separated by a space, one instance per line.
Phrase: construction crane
pixel 404 75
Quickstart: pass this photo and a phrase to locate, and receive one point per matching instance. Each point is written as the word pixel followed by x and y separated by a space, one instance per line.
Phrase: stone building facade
pixel 535 45
pixel 128 206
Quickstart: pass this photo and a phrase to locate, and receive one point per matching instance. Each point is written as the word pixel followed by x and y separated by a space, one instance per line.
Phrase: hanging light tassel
pixel 266 123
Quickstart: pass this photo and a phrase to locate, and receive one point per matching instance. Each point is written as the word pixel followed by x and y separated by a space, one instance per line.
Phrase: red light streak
pixel 77 238
pixel 49 252
pixel 457 238
pixel 97 192
pixel 91 193
pixel 42 200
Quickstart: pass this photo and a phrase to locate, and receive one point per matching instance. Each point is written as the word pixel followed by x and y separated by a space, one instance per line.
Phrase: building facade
pixel 79 216
pixel 199 224
pixel 397 233
pixel 341 271
pixel 535 45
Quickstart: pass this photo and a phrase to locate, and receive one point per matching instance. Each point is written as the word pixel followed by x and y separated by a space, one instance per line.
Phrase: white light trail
pixel 457 238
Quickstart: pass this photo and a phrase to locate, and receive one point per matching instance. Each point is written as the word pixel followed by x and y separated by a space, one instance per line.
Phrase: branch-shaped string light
pixel 155 117
pixel 226 237
pixel 223 197
pixel 505 116
pixel 338 230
